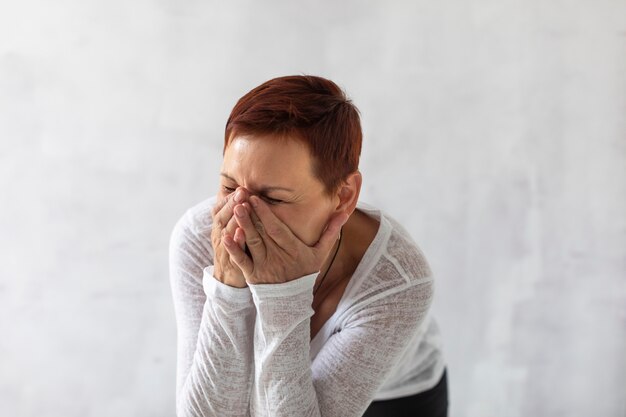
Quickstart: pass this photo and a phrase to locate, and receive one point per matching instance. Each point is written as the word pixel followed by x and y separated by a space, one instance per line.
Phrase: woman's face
pixel 279 171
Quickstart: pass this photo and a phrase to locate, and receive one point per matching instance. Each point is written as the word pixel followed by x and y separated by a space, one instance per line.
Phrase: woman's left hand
pixel 277 254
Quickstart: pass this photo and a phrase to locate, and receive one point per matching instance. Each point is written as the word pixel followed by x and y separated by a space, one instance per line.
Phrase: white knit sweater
pixel 248 351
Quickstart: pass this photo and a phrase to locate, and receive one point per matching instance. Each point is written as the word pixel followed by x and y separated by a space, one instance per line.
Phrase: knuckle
pixel 254 241
pixel 275 231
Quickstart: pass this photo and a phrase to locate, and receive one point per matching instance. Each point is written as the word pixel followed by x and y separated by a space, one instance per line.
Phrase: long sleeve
pixel 215 329
pixel 354 363
pixel 345 375
pixel 247 352
pixel 282 382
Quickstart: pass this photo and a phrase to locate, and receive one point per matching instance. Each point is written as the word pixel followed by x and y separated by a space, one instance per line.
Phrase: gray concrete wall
pixel 494 130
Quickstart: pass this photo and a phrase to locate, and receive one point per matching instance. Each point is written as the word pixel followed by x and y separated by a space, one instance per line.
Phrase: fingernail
pixel 240 211
pixel 239 196
pixel 254 202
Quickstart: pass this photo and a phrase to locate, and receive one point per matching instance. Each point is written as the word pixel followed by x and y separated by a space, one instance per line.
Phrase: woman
pixel 291 297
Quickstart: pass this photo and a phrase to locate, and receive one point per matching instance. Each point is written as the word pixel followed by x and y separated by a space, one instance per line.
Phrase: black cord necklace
pixel 330 265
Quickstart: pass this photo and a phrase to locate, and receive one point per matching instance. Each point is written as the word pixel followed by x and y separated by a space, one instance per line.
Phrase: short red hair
pixel 312 109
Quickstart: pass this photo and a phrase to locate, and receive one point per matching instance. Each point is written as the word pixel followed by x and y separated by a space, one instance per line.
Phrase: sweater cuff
pixel 285 289
pixel 214 288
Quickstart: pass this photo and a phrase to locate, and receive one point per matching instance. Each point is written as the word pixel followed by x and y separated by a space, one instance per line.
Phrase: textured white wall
pixel 495 130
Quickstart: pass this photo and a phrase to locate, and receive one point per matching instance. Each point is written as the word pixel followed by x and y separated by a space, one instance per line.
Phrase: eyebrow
pixel 262 189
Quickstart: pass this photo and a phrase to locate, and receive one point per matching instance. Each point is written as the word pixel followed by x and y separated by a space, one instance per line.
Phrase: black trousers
pixel 431 403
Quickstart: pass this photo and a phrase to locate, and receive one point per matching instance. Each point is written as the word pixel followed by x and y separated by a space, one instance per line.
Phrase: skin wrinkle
pixel 251 163
pixel 263 189
pixel 297 236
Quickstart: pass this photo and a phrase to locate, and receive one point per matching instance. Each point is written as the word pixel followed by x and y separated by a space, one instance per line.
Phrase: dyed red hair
pixel 309 108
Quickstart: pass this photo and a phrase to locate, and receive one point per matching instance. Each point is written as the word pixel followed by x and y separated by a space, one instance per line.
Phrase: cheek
pixel 307 225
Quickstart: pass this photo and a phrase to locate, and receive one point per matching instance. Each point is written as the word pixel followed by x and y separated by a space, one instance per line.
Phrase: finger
pixel 331 234
pixel 220 204
pixel 223 211
pixel 240 238
pixel 238 256
pixel 253 232
pixel 231 230
pixel 230 227
pixel 258 224
pixel 274 227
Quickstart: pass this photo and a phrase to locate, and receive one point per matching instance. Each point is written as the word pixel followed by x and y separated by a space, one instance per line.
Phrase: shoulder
pixel 406 252
pixel 399 258
pixel 395 273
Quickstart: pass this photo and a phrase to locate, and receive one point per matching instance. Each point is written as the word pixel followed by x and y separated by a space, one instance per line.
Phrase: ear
pixel 348 193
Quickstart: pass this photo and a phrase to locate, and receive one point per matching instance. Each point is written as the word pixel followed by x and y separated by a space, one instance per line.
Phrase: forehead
pixel 268 161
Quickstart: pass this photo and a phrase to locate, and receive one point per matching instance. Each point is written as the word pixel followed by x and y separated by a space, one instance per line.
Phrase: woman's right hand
pixel 224 223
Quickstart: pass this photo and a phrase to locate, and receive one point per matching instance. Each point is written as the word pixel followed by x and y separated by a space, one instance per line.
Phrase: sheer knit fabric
pixel 248 351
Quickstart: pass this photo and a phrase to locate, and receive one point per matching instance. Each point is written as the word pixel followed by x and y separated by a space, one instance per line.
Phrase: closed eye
pixel 268 200
pixel 272 201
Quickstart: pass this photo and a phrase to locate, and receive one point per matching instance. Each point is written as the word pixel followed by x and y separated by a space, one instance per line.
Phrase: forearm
pixel 220 377
pixel 283 384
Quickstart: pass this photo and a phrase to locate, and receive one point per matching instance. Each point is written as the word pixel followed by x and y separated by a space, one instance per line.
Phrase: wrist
pixel 237 282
